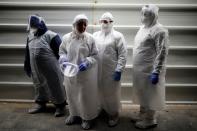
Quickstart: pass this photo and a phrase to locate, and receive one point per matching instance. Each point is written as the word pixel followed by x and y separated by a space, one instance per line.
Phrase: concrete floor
pixel 14 117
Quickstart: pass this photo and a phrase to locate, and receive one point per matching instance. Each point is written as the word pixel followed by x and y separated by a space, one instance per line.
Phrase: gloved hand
pixel 154 78
pixel 83 66
pixel 117 76
pixel 63 59
pixel 63 66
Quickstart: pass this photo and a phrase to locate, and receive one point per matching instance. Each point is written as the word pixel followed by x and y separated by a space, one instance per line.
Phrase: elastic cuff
pixel 118 70
pixel 62 105
pixel 88 60
pixel 155 72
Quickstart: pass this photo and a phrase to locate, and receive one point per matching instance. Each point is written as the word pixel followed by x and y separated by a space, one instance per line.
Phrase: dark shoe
pixel 38 108
pixel 70 120
pixel 146 124
pixel 137 117
pixel 86 124
pixel 113 121
pixel 59 112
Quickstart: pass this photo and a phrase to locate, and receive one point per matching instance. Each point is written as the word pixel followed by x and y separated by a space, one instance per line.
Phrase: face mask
pixel 106 27
pixel 147 19
pixel 33 30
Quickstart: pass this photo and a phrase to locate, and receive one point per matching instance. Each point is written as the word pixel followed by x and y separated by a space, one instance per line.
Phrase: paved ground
pixel 14 117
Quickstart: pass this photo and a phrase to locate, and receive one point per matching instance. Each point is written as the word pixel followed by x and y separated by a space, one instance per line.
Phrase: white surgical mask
pixel 106 27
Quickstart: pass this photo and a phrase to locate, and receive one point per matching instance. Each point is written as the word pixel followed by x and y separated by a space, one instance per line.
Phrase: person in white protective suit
pixel 149 67
pixel 78 47
pixel 112 61
pixel 41 63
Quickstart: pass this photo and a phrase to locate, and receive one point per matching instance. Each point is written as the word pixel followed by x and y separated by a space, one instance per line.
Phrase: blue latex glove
pixel 154 78
pixel 117 76
pixel 83 66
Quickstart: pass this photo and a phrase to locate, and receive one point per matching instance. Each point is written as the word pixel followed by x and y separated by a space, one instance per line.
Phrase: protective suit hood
pixel 79 17
pixel 37 25
pixel 152 11
pixel 107 16
pixel 107 27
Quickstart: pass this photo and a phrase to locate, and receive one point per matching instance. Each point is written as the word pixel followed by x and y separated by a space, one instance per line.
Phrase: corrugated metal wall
pixel 180 17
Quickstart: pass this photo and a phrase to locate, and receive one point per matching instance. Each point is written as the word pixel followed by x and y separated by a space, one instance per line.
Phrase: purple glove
pixel 83 66
pixel 117 76
pixel 154 78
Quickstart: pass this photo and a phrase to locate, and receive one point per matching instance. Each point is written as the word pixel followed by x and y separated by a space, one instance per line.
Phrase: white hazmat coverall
pixel 149 57
pixel 112 58
pixel 81 89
